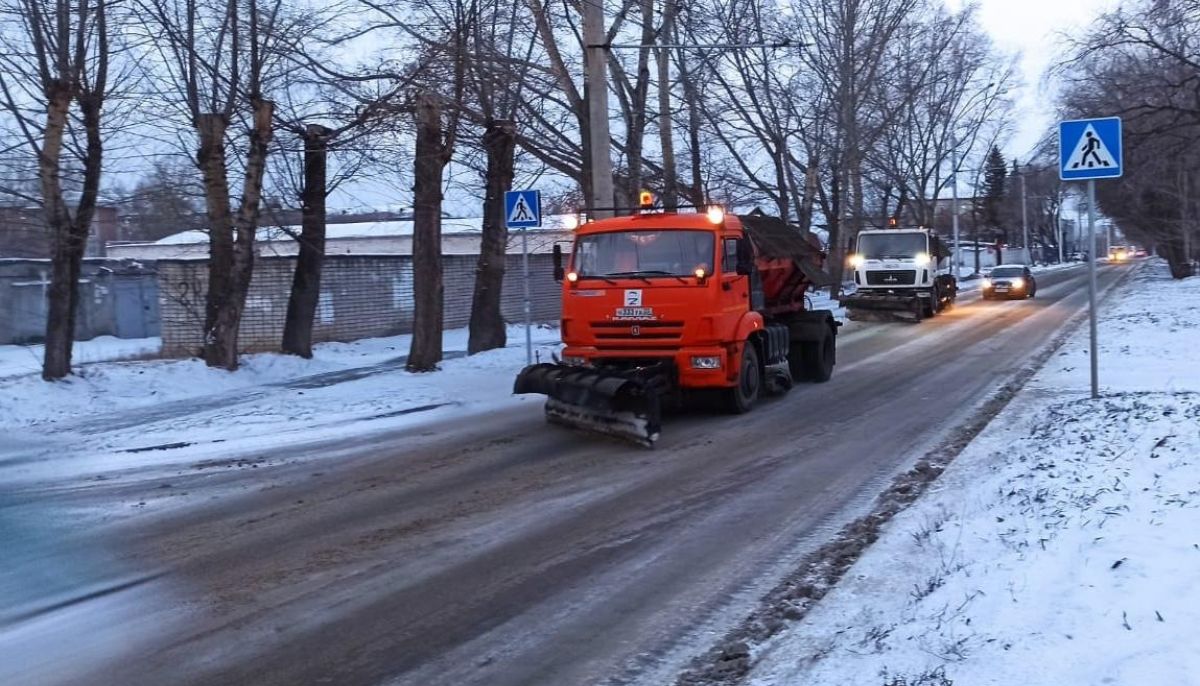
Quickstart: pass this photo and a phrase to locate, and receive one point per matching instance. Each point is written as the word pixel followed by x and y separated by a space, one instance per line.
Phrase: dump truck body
pixel 660 303
pixel 900 274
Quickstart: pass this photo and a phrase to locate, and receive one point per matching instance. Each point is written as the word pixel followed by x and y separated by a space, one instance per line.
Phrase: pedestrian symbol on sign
pixel 1090 152
pixel 521 212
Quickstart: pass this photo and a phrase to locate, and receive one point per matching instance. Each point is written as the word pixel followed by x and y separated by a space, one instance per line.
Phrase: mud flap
pixel 602 402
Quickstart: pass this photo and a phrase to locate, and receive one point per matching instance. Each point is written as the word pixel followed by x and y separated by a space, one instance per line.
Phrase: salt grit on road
pixel 1061 547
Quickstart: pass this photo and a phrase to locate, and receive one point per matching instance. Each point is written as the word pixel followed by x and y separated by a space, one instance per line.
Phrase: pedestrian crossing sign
pixel 1089 149
pixel 523 209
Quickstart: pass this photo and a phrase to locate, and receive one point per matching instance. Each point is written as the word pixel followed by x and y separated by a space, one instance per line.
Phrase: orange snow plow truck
pixel 661 305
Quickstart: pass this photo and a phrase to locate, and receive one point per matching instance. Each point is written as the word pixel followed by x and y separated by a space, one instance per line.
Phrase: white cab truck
pixel 900 274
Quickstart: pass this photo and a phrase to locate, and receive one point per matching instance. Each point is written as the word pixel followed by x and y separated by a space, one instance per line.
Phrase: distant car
pixel 1078 256
pixel 1140 252
pixel 1009 281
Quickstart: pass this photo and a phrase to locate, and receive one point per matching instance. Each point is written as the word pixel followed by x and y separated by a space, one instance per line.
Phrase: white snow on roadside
pixel 1061 547
pixel 27 401
pixel 20 360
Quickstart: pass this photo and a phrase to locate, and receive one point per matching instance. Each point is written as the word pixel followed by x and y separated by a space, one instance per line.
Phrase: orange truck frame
pixel 661 305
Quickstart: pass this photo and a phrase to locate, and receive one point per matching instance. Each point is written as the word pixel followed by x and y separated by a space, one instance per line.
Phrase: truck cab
pixel 906 272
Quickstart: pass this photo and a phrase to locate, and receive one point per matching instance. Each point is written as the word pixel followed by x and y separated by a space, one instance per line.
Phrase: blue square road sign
pixel 1090 149
pixel 523 209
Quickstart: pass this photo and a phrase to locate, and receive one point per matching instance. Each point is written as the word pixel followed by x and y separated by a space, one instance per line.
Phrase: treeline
pixel 838 113
pixel 1142 62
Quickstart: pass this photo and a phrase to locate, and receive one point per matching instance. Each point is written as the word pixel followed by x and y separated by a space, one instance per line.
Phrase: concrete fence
pixel 116 298
pixel 361 296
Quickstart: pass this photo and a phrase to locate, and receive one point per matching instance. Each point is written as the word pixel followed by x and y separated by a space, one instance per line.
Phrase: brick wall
pixel 361 296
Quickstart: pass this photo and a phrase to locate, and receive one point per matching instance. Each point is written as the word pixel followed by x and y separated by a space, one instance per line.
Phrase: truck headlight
pixel 922 259
pixel 706 362
pixel 574 360
pixel 856 261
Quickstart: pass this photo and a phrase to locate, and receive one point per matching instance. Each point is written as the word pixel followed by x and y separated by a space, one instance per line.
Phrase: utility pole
pixel 596 65
pixel 954 186
pixel 1025 222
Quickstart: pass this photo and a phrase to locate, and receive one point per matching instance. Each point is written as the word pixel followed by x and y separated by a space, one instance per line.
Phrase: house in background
pixel 23 231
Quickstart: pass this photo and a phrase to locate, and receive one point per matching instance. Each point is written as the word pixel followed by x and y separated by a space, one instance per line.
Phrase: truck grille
pixel 638 333
pixel 892 277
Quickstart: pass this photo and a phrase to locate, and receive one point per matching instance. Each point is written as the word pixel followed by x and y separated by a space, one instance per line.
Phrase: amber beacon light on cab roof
pixel 661 305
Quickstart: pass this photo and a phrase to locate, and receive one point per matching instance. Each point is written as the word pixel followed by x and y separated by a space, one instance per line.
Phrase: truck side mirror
pixel 558 263
pixel 745 257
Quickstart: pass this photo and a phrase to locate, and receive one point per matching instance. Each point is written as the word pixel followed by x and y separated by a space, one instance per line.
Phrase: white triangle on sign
pixel 520 212
pixel 1090 153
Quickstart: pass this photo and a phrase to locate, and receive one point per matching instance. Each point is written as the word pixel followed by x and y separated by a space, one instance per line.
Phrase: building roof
pixel 384 229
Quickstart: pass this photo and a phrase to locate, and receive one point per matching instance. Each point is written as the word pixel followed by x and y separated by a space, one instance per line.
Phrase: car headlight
pixel 922 259
pixel 986 283
pixel 856 261
pixel 1018 282
pixel 706 362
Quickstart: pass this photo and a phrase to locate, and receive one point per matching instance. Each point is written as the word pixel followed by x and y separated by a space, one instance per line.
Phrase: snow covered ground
pixel 19 360
pixel 1061 547
pixel 104 416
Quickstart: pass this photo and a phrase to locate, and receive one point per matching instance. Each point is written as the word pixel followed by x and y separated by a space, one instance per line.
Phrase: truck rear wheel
pixel 814 360
pixel 742 397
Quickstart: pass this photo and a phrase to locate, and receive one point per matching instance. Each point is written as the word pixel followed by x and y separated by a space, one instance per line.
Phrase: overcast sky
pixel 1029 27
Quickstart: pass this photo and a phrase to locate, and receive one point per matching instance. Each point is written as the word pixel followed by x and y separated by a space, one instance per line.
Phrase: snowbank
pixel 342 380
pixel 1060 547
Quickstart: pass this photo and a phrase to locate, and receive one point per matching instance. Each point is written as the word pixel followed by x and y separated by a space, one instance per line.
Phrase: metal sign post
pixel 528 309
pixel 1090 149
pixel 523 210
pixel 1095 346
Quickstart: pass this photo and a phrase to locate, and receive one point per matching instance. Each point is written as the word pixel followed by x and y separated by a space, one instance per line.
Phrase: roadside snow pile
pixel 1061 547
pixel 342 381
pixel 18 360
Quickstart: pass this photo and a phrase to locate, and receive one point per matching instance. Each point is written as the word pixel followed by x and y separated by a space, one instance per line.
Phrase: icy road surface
pixel 488 550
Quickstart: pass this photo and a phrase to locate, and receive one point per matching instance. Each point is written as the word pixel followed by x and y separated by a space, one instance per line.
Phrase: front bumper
pixel 688 376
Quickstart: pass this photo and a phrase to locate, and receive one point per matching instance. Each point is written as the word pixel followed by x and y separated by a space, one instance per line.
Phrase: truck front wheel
pixel 742 397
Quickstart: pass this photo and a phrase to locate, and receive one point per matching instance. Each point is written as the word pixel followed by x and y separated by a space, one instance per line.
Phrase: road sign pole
pixel 1095 353
pixel 528 310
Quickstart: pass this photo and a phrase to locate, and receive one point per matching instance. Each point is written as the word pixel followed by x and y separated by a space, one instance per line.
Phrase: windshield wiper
pixel 602 277
pixel 651 272
pixel 629 275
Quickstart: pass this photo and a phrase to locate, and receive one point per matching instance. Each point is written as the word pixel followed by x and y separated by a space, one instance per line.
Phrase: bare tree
pixel 54 81
pixel 219 55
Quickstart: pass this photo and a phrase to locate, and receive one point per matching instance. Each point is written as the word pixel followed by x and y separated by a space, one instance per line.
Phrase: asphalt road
pixel 509 552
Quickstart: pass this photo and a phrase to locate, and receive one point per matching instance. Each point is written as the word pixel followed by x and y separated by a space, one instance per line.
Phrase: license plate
pixel 635 313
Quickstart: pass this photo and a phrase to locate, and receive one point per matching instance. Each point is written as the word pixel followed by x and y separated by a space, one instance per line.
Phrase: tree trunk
pixel 66 253
pixel 635 142
pixel 220 324
pixel 487 329
pixel 836 259
pixel 665 127
pixel 431 157
pixel 306 282
pixel 231 238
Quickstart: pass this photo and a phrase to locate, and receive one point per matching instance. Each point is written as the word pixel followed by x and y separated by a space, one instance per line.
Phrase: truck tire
pixel 741 398
pixel 814 360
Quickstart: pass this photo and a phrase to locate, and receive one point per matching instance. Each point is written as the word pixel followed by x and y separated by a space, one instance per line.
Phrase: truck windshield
pixel 881 246
pixel 644 253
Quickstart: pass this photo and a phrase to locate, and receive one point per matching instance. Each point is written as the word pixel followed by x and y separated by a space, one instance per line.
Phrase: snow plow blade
pixel 883 308
pixel 607 403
